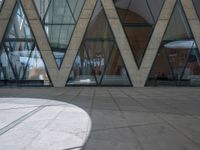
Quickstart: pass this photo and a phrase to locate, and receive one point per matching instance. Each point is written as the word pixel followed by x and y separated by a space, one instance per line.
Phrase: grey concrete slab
pixel 163 137
pixel 187 125
pixel 104 119
pixel 114 139
pixel 135 114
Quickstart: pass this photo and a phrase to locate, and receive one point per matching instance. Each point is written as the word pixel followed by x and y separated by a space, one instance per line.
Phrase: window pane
pixel 181 53
pixel 97 48
pixel 18 27
pixel 18 54
pixel 83 71
pixel 6 71
pixel 197 6
pixel 138 18
pixel 115 73
pixel 59 20
pixel 20 62
pixel 36 70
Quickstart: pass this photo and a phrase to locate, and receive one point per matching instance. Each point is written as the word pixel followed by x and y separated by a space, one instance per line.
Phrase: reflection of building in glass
pixel 100 44
pixel 59 18
pixel 138 18
pixel 21 62
pixel 178 61
pixel 99 61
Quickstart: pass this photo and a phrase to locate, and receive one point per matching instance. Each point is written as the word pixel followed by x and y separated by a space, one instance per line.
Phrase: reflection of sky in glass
pixel 1 2
pixel 35 61
pixel 184 44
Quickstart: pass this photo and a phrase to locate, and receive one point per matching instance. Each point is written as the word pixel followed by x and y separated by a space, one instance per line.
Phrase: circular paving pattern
pixel 39 124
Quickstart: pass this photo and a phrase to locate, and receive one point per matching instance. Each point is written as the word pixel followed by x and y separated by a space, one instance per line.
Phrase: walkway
pixel 131 118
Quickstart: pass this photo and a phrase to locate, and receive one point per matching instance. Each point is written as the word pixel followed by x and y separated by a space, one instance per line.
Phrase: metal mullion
pixel 129 4
pixel 87 53
pixel 74 11
pixel 100 39
pixel 18 40
pixel 190 51
pixel 71 11
pixel 154 20
pixel 53 9
pixel 170 65
pixel 43 19
pixel 14 73
pixel 106 64
pixel 61 26
pixel 49 24
pixel 32 49
pixel 137 25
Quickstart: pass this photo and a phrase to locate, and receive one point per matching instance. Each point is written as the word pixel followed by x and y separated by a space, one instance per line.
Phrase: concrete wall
pixel 137 75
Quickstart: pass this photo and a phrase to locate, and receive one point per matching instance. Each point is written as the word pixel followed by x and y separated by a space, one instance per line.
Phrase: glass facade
pixel 138 18
pixel 20 60
pixel 178 60
pixel 1 2
pixel 197 7
pixel 59 19
pixel 99 61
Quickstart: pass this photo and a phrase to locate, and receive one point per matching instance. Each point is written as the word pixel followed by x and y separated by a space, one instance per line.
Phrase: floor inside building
pixel 125 118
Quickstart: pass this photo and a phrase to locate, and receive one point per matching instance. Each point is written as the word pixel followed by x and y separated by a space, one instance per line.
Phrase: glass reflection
pixel 19 27
pixel 197 6
pixel 177 63
pixel 6 71
pixel 36 68
pixel 83 70
pixel 138 18
pixel 20 60
pixel 1 2
pixel 17 51
pixel 59 20
pixel 97 55
pixel 115 73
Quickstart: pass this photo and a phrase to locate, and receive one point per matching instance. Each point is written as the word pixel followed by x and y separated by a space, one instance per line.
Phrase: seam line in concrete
pixel 19 120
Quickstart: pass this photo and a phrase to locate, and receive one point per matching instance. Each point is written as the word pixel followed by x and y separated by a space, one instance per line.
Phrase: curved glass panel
pixel 177 62
pixel 18 58
pixel 98 55
pixel 138 18
pixel 59 20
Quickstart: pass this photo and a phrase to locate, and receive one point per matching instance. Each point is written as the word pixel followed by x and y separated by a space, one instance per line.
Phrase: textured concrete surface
pixel 38 124
pixel 130 118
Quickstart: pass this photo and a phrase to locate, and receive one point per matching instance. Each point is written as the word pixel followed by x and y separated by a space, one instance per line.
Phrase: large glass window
pixel 197 6
pixel 178 60
pixel 138 18
pixel 1 2
pixel 99 61
pixel 20 60
pixel 59 19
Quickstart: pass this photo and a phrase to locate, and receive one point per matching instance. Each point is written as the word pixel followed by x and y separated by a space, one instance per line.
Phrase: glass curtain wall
pixel 138 18
pixel 59 19
pixel 1 2
pixel 20 60
pixel 178 60
pixel 197 7
pixel 98 61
